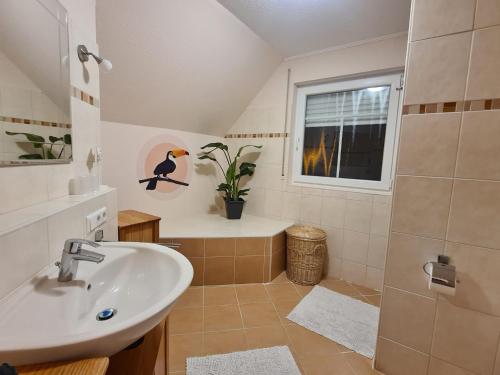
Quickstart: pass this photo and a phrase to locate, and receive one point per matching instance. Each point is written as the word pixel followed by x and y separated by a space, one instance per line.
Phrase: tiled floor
pixel 222 319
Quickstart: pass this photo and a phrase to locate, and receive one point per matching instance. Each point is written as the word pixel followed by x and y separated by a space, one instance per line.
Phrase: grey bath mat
pixel 342 319
pixel 277 360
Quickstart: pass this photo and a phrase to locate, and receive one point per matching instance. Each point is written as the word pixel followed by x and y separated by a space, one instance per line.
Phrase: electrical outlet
pixel 96 219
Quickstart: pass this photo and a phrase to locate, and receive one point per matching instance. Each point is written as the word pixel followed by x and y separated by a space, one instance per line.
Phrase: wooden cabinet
pixel 135 226
pixel 147 357
pixel 95 366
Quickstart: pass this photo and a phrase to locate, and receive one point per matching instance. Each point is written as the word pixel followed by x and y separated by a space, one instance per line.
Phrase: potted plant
pixel 232 174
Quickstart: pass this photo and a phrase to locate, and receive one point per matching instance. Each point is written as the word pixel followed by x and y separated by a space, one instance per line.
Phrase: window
pixel 345 133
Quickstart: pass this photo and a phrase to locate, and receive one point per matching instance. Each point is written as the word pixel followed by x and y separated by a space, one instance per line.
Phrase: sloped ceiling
pixel 180 64
pixel 295 27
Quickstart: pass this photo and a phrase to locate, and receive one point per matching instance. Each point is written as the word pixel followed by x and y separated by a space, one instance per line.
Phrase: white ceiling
pixel 179 64
pixel 295 27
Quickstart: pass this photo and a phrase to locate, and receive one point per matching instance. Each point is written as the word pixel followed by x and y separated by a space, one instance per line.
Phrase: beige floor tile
pixel 224 342
pixel 284 308
pixel 220 318
pixel 340 286
pixel 193 297
pixel 282 292
pixel 188 320
pixel 265 337
pixel 374 300
pixel 281 279
pixel 303 290
pixel 220 295
pixel 335 364
pixel 361 364
pixel 259 314
pixel 251 293
pixel 182 346
pixel 364 291
pixel 307 343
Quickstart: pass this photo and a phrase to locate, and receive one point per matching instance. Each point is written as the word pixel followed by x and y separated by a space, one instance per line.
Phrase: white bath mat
pixel 340 318
pixel 277 360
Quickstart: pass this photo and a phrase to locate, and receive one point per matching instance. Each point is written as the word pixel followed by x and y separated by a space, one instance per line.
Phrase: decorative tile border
pixel 257 135
pixel 16 120
pixel 459 106
pixel 84 97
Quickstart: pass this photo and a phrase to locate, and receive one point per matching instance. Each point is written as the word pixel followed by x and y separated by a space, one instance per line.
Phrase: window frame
pixel 392 127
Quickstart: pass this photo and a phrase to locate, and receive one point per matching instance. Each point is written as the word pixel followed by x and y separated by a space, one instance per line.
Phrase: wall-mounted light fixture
pixel 83 55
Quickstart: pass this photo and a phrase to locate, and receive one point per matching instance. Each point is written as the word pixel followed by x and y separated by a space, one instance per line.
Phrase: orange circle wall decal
pixel 164 167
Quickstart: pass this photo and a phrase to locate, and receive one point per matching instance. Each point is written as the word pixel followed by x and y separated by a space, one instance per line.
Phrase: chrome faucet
pixel 72 254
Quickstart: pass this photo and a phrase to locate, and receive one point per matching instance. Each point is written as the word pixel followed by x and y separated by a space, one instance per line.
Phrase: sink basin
pixel 44 320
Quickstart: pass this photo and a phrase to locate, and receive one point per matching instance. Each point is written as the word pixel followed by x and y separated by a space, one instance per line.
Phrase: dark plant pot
pixel 234 208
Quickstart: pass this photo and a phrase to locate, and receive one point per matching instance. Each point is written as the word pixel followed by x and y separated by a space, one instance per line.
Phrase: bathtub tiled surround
pixel 33 238
pixel 446 197
pixel 228 260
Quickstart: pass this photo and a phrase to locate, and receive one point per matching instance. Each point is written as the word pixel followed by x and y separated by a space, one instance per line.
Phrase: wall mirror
pixel 35 115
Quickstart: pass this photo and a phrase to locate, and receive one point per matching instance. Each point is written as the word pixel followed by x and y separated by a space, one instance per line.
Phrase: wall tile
pixel 437 69
pixel 220 247
pixel 465 338
pixel 310 209
pixel 484 80
pixel 487 13
pixel 374 278
pixel 438 367
pixel 477 270
pixel 377 250
pixel 334 241
pixel 333 212
pixel 219 270
pixel 17 191
pixel 395 359
pixel 355 246
pixel 250 246
pixel 67 224
pixel 407 319
pixel 421 206
pixel 381 218
pixel 291 206
pixel 358 215
pixel 23 253
pixel 190 247
pixel 474 217
pixel 249 269
pixel 435 18
pixel 354 272
pixel 428 144
pixel 406 256
pixel 479 145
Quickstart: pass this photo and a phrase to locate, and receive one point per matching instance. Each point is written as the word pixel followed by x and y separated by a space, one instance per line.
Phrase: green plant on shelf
pixel 43 149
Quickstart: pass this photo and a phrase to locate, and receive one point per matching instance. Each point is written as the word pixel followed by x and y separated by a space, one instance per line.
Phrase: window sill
pixel 342 188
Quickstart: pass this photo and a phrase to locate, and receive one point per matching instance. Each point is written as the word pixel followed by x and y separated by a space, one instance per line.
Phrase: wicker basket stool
pixel 306 251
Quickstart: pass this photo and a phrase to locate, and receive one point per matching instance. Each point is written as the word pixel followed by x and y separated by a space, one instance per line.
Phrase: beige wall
pixel 123 143
pixel 356 223
pixel 35 193
pixel 447 197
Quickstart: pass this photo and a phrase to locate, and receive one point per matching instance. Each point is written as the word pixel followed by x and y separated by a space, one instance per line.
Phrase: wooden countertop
pixel 127 218
pixel 96 366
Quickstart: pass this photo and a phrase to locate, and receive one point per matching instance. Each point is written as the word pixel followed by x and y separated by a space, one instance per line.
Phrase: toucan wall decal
pixel 163 169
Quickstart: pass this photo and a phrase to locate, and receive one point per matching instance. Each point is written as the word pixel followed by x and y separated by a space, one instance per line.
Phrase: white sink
pixel 45 320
